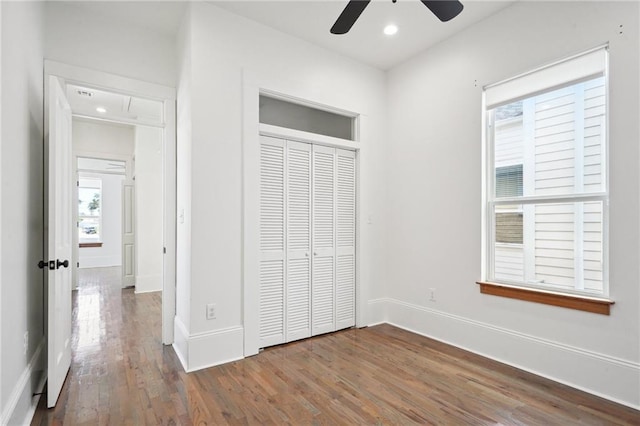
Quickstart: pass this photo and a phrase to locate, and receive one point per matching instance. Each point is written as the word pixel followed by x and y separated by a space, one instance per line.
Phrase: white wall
pixel 435 173
pixel 102 139
pixel 110 254
pixel 149 209
pixel 215 51
pixel 97 139
pixel 21 148
pixel 77 36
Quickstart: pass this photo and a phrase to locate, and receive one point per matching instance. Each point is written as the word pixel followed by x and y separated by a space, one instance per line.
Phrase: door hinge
pixel 164 250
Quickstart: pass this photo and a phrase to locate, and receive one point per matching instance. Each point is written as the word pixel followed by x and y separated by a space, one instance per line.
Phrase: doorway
pixel 134 103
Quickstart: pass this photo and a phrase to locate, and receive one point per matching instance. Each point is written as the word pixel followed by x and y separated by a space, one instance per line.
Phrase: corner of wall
pixel 202 350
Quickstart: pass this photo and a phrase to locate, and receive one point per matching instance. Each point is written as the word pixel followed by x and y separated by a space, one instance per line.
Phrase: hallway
pixel 116 348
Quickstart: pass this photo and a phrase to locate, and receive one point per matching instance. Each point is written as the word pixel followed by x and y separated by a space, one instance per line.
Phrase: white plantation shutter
pixel 298 305
pixel 345 238
pixel 272 231
pixel 323 224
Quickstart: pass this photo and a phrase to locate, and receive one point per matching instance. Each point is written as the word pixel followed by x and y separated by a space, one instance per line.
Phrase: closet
pixel 307 240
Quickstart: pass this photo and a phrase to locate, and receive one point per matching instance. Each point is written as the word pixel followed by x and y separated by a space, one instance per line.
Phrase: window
pixel 282 113
pixel 89 210
pixel 547 192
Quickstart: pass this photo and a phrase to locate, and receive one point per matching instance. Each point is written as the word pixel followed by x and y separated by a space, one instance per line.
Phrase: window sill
pixel 582 303
pixel 90 245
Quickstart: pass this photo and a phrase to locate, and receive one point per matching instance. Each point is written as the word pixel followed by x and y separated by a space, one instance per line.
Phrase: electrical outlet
pixel 211 311
pixel 26 342
pixel 432 294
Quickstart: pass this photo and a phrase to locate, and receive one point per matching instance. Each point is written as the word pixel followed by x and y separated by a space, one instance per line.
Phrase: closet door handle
pixel 306 254
pixel 315 253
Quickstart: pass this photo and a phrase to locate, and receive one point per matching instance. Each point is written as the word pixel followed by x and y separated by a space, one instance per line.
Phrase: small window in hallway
pixel 89 210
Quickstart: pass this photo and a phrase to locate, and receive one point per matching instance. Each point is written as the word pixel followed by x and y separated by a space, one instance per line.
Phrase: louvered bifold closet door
pixel 298 284
pixel 272 241
pixel 345 238
pixel 323 241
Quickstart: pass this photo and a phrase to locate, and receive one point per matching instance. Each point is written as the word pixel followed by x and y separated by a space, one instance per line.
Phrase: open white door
pixel 128 234
pixel 59 240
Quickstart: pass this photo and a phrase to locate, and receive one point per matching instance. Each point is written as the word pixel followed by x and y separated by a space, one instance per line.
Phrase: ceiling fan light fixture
pixel 390 29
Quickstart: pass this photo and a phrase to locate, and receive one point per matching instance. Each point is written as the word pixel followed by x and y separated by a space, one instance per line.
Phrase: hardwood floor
pixel 121 374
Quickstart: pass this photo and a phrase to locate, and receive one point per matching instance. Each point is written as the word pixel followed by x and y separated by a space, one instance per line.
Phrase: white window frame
pixel 81 217
pixel 489 201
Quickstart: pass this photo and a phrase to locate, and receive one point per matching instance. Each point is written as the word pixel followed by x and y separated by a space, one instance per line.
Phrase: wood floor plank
pixel 121 374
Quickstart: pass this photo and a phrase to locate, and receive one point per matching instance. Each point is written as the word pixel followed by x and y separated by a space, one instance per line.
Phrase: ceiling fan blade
pixel 349 16
pixel 444 10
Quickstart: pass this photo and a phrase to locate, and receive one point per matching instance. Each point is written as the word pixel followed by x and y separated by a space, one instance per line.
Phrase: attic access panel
pixel 278 112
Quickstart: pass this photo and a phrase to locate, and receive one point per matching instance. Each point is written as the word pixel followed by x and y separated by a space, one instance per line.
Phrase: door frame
pixel 128 159
pixel 253 86
pixel 167 95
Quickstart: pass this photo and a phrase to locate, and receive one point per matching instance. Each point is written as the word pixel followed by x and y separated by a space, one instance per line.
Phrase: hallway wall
pixel 96 139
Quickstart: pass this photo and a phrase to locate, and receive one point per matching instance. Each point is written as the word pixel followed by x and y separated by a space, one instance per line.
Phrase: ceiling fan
pixel 443 9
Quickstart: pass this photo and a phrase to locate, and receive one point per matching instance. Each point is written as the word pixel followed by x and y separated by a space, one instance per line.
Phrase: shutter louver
pixel 272 228
pixel 323 271
pixel 345 238
pixel 298 308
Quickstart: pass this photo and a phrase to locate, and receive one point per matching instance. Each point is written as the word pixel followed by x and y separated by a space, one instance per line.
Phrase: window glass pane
pixel 299 117
pixel 557 140
pixel 89 209
pixel 563 243
pixel 509 181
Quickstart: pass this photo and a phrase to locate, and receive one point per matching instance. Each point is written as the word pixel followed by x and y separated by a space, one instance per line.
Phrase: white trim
pixel 109 82
pixel 306 137
pixel 1 286
pixel 35 400
pixel 596 373
pixel 180 342
pixel 23 381
pixel 115 83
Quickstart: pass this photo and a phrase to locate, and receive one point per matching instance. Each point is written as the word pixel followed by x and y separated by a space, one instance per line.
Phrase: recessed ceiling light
pixel 101 110
pixel 390 29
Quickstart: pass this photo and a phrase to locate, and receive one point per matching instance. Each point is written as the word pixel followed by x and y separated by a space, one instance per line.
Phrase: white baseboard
pixel 22 392
pixel 606 376
pixel 197 351
pixel 148 283
pixel 180 342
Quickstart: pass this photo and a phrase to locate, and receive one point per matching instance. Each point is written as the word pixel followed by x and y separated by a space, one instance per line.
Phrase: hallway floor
pixel 122 374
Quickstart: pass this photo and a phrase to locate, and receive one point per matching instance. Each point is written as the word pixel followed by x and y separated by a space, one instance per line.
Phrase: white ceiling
pixel 84 101
pixel 418 27
pixel 311 20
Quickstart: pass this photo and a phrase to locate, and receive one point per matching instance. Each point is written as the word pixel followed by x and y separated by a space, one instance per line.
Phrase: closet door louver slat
pixel 272 244
pixel 298 306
